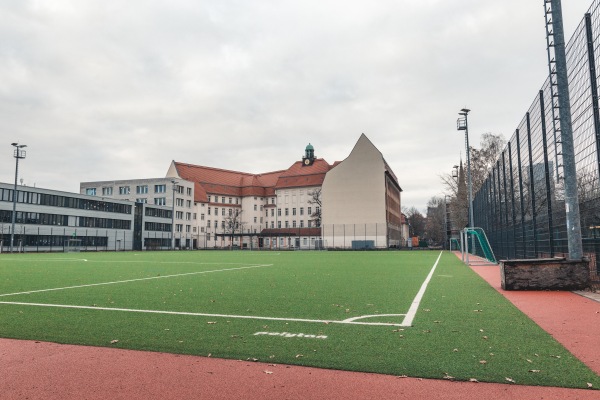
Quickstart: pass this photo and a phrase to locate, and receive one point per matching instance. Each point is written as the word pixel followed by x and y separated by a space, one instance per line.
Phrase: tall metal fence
pixel 521 204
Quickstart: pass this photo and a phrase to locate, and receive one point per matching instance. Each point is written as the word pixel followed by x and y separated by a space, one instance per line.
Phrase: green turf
pixel 463 327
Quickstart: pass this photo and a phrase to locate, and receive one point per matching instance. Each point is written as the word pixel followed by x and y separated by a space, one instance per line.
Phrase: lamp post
pixel 462 124
pixel 173 215
pixel 19 153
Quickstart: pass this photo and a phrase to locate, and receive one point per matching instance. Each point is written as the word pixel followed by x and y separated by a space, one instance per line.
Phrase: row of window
pixel 64 201
pixel 157 226
pixel 93 222
pixel 287 211
pixel 216 199
pixel 158 212
pixel 34 218
pixel 59 241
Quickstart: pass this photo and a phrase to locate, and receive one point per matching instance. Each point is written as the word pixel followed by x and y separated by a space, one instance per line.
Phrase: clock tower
pixel 309 156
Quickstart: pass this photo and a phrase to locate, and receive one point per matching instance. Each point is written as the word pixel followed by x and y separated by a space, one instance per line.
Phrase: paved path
pixel 40 370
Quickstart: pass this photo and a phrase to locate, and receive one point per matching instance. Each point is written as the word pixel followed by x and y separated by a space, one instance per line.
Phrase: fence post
pixel 532 188
pixel 547 176
pixel 512 195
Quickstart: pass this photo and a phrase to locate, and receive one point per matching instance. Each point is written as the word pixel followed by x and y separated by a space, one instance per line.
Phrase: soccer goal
pixel 73 246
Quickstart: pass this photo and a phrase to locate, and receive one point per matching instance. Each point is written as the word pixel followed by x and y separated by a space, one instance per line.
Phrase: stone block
pixel 545 274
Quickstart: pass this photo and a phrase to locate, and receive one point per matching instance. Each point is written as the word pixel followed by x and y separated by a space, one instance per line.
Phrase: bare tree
pixel 233 224
pixel 315 199
pixel 416 221
pixel 435 225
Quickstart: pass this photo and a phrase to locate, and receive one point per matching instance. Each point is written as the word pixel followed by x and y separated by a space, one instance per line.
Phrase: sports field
pixel 420 314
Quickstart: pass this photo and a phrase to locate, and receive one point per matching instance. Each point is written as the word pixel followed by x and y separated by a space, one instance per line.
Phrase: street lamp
pixel 462 124
pixel 174 182
pixel 19 153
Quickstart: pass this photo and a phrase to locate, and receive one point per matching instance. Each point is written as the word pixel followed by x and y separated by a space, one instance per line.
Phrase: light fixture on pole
pixel 174 182
pixel 19 153
pixel 462 124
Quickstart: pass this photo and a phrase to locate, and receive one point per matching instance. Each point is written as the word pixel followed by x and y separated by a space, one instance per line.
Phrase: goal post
pixel 73 246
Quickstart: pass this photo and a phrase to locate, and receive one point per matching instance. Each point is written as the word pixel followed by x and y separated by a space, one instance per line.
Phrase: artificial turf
pixel 463 328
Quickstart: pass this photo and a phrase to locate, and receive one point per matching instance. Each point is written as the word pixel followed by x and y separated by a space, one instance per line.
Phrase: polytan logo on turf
pixel 290 335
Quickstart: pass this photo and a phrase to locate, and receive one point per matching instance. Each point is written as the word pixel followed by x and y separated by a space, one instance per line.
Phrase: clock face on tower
pixel 306 161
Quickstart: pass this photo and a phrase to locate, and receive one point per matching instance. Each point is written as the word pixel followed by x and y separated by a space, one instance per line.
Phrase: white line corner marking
pixel 414 307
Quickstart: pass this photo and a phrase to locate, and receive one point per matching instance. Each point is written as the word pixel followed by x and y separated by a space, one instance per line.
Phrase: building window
pixel 208 223
pixel 208 236
pixel 287 224
pixel 160 188
pixel 107 191
pixel 209 199
pixel 293 224
pixel 272 200
pixel 254 219
pixel 279 212
pixel 301 210
pixel 216 210
pixel 272 224
pixel 195 216
pixel 222 224
pixel 179 214
pixel 230 200
pixel 189 204
pixel 294 211
pixel 216 224
pixel 230 212
pixel 309 210
pixel 179 227
pixel 278 224
pixel 124 190
pixel 309 223
pixel 189 191
pixel 141 200
pixel 255 207
pixel 287 212
pixel 201 217
pixel 160 201
pixel 301 223
pixel 187 228
pixel 90 191
pixel 208 210
pixel 272 212
pixel 143 189
pixel 188 216
pixel 223 211
pixel 222 199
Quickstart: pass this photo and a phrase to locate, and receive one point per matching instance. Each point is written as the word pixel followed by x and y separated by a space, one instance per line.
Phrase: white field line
pixel 372 316
pixel 136 280
pixel 410 316
pixel 254 317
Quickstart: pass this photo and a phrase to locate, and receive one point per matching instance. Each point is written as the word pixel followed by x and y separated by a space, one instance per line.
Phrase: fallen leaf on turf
pixel 209 355
pixel 481 330
pixel 473 380
pixel 455 350
pixel 401 336
pixel 404 376
pixel 252 359
pixel 589 385
pixel 299 355
pixel 268 372
pixel 529 361
pixel 427 331
pixel 426 309
pixel 534 370
pixel 482 362
pixel 114 341
pixel 510 380
pixel 555 356
pixel 448 376
pixel 485 337
pixel 477 310
pixel 211 322
pixel 437 322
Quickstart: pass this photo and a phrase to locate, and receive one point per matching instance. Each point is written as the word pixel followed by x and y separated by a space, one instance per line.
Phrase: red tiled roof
pixel 217 181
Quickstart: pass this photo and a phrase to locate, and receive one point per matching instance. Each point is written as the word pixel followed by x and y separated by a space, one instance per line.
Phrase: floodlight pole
pixel 463 125
pixel 173 216
pixel 18 154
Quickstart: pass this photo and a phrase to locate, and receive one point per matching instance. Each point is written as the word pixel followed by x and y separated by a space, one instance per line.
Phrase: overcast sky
pixel 107 89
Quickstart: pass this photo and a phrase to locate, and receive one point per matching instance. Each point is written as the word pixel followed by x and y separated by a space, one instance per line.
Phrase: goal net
pixel 73 246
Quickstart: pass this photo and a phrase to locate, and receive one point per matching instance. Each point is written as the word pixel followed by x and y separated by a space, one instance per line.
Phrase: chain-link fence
pixel 521 205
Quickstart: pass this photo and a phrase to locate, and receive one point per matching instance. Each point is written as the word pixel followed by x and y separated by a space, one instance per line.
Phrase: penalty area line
pixel 412 311
pixel 136 280
pixel 228 316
